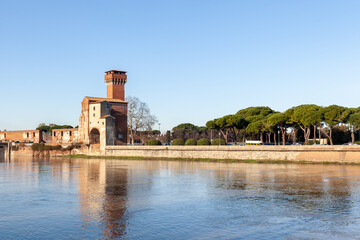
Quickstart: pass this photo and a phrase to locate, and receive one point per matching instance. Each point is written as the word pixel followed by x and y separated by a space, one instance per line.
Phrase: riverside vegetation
pixel 307 123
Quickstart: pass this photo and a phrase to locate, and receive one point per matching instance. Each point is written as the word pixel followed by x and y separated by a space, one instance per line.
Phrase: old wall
pixel 344 154
pixel 119 111
pixel 2 153
pixel 5 151
pixel 21 136
pixel 65 136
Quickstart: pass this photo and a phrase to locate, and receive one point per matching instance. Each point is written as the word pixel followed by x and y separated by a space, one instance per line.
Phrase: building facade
pixel 26 136
pixel 65 136
pixel 102 121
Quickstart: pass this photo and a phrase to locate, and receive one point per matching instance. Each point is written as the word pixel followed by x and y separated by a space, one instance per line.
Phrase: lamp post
pixel 159 129
pixel 219 138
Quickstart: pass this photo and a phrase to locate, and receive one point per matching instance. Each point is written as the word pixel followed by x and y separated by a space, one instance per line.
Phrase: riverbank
pixel 317 153
pixel 277 154
pixel 82 156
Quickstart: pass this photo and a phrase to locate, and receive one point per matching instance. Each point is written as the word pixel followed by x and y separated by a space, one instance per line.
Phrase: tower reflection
pixel 103 196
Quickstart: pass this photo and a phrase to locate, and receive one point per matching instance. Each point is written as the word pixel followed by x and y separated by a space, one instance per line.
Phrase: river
pixel 136 199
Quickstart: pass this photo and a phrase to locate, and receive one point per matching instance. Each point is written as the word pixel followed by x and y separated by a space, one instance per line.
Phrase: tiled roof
pixel 105 99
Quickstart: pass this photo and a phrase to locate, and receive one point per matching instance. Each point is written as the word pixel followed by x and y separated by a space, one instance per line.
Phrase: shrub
pixel 178 141
pixel 42 147
pixel 203 141
pixel 153 142
pixel 56 147
pixel 190 141
pixel 218 142
pixel 311 142
pixel 38 147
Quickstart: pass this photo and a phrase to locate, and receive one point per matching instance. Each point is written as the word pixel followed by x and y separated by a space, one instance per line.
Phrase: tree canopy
pixel 48 128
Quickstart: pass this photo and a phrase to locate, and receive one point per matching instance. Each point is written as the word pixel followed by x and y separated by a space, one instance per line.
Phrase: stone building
pixel 26 136
pixel 102 121
pixel 65 136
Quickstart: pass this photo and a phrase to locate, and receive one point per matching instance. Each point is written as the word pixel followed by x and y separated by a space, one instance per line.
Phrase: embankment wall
pixel 335 154
pixel 339 154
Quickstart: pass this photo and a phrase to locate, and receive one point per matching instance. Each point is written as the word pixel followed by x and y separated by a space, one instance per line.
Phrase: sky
pixel 190 61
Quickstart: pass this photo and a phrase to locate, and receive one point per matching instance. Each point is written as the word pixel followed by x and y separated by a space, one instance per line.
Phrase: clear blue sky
pixel 191 61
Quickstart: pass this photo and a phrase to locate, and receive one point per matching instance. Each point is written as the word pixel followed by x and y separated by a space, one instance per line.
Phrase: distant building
pixel 103 121
pixel 26 136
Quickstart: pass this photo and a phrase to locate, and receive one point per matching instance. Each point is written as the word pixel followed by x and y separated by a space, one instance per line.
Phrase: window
pixel 103 123
pixel 27 135
pixel 62 133
pixel 70 133
pixel 4 135
pixel 94 108
pixel 54 134
pixel 33 134
pixel 94 115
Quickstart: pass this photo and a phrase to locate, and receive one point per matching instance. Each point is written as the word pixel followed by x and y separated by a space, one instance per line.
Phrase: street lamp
pixel 219 138
pixel 159 129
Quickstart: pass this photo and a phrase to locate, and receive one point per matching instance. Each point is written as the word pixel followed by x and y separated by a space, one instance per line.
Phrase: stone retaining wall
pixel 342 154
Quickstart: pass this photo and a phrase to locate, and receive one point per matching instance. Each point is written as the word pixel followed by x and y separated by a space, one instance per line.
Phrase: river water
pixel 128 199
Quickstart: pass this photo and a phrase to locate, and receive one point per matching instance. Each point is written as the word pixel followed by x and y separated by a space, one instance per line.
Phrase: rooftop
pixel 110 100
pixel 115 71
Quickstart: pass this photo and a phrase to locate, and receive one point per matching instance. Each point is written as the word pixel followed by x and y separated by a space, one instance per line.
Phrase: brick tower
pixel 115 81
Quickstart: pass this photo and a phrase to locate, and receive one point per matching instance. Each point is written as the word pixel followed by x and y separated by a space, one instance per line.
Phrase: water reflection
pixel 169 199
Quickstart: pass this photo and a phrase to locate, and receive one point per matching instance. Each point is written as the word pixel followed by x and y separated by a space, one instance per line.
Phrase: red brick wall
pixel 116 91
pixel 119 111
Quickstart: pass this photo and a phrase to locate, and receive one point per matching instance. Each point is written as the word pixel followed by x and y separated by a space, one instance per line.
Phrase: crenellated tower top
pixel 115 81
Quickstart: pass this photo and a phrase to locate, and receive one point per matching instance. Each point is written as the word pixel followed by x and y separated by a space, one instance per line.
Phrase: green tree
pixel 256 128
pixel 252 114
pixel 187 127
pixel 305 116
pixel 332 116
pixel 255 114
pixel 188 130
pixel 43 127
pixel 280 120
pixel 354 122
pixel 48 128
pixel 219 124
pixel 228 123
pixel 168 137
